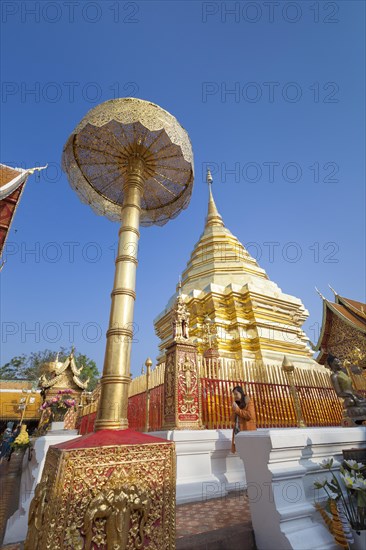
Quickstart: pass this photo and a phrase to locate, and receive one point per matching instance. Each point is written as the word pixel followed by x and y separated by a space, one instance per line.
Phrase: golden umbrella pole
pixel 112 412
pixel 132 162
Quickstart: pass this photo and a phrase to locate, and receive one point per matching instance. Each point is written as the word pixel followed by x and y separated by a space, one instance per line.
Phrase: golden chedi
pixel 223 284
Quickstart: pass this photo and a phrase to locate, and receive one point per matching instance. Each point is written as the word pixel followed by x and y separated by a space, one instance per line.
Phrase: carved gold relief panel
pixel 105 498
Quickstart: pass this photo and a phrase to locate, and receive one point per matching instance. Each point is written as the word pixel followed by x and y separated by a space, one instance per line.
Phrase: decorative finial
pixel 320 294
pixel 209 178
pixel 332 289
pixel 287 365
pixel 213 217
pixel 179 286
pixel 36 169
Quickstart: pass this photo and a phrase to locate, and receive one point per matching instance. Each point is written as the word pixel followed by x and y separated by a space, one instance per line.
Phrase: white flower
pixel 348 480
pixel 327 463
pixel 319 484
pixel 359 484
pixel 354 465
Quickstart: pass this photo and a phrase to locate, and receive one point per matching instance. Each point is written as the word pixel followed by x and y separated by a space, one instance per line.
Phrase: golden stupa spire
pixel 213 216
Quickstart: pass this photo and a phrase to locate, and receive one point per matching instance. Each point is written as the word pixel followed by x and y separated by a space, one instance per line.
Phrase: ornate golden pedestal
pixel 113 489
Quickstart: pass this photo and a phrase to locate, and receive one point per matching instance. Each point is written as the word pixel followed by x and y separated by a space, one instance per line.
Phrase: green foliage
pixel 14 370
pixel 23 367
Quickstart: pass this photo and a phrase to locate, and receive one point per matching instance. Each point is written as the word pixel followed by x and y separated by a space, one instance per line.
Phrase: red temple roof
pixel 12 183
pixel 351 312
pixel 357 307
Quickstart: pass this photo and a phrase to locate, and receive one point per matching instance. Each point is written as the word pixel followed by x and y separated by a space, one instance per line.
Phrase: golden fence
pixel 268 385
pixel 251 371
pixel 273 404
pixel 139 384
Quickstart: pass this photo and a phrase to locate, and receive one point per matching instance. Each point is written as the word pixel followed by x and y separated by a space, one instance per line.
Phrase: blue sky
pixel 272 96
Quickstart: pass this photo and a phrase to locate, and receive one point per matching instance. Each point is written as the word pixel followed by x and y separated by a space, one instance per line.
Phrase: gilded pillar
pixel 112 412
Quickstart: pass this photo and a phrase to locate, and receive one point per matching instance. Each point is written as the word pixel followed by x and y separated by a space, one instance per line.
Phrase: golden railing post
pixel 289 368
pixel 148 364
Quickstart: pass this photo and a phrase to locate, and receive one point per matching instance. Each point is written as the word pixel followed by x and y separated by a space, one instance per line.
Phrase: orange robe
pixel 247 420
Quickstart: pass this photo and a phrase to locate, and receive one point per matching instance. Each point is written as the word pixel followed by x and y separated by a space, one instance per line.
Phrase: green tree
pixel 28 367
pixel 14 369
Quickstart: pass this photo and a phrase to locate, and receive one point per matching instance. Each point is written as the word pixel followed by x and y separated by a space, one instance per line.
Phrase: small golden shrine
pixel 57 375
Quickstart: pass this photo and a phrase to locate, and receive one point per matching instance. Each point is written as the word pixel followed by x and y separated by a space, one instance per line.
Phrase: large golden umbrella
pixel 132 162
pixel 115 488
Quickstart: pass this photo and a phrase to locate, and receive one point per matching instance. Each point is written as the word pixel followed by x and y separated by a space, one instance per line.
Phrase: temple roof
pixel 12 183
pixel 356 307
pixel 351 312
pixel 348 316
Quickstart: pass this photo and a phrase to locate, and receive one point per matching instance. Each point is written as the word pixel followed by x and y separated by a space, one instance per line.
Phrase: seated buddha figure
pixel 354 403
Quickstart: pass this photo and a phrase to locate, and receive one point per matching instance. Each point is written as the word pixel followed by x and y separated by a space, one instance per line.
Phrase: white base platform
pixel 205 466
pixel 281 466
pixel 17 525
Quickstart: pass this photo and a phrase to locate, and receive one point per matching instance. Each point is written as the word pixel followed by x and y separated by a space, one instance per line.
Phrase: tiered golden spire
pixel 253 317
pixel 218 257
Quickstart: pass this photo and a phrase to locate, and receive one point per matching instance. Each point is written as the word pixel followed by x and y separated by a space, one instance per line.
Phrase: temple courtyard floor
pixel 214 524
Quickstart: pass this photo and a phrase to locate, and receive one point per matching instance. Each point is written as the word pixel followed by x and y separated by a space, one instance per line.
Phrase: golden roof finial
pixel 320 294
pixel 287 365
pixel 213 216
pixel 332 289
